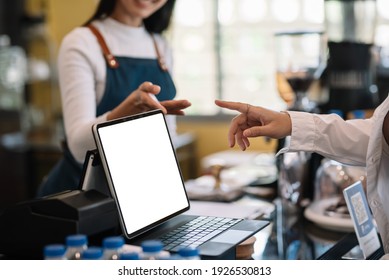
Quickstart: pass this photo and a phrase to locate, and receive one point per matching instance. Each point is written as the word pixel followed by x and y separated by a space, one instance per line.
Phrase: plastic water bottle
pixel 54 252
pixel 129 256
pixel 189 253
pixel 75 245
pixel 112 247
pixel 153 250
pixel 92 253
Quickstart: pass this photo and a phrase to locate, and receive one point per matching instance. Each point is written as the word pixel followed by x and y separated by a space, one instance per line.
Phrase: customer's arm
pixel 330 136
pixel 385 128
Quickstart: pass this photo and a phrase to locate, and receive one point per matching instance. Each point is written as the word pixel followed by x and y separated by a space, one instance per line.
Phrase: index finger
pixel 237 106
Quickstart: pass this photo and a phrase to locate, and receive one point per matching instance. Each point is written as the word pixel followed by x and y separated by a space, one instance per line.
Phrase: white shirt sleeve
pixel 79 62
pixel 330 136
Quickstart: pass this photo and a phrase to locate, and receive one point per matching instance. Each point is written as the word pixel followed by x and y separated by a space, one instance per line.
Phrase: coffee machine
pixel 351 67
pixel 349 81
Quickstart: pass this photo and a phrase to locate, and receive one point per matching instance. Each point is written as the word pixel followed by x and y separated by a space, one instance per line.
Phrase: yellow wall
pixel 62 15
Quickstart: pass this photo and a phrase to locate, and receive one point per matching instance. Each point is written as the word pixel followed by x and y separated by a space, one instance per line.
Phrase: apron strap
pixel 161 60
pixel 111 60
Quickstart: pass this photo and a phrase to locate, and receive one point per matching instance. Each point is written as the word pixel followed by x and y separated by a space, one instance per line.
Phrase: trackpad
pixel 231 236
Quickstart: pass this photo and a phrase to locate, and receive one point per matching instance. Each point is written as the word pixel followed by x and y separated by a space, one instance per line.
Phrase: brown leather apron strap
pixel 161 60
pixel 111 60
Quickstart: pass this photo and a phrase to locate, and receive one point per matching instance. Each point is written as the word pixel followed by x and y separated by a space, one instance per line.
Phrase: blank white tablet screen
pixel 143 169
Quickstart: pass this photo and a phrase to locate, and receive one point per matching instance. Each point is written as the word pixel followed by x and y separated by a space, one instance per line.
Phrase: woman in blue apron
pixel 109 68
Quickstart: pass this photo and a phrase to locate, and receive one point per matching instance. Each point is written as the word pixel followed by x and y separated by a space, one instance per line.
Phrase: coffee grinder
pixel 351 67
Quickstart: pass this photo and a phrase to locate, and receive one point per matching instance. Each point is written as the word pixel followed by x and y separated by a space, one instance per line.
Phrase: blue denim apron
pixel 124 75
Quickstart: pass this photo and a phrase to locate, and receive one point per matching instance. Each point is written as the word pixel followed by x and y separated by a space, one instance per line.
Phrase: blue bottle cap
pixel 76 240
pixel 54 250
pixel 152 246
pixel 336 111
pixel 113 242
pixel 92 253
pixel 188 252
pixel 129 256
pixel 359 114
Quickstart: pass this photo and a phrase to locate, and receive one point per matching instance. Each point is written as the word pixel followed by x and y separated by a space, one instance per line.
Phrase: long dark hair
pixel 156 23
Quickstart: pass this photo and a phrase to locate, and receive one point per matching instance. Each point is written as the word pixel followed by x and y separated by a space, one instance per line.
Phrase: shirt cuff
pixel 303 131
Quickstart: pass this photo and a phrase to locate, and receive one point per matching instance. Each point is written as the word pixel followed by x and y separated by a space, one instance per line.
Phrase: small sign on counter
pixel 362 219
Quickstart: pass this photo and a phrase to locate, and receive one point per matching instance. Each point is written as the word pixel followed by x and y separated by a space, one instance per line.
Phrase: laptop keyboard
pixel 196 232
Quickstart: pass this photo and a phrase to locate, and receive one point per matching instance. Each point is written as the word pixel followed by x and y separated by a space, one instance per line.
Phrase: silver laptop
pixel 145 180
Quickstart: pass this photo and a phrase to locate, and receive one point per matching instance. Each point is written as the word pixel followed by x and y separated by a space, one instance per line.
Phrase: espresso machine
pixel 351 66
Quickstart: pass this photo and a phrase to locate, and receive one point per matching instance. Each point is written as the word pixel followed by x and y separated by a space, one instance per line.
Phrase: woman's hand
pixel 143 99
pixel 255 121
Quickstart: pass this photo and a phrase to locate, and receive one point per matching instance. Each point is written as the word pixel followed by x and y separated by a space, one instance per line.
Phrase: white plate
pixel 203 188
pixel 206 183
pixel 315 213
pixel 251 171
